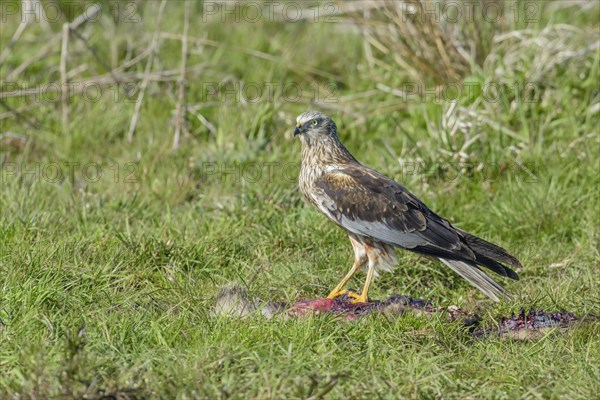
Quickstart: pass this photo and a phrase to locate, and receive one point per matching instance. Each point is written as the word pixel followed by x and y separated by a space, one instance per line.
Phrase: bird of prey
pixel 380 215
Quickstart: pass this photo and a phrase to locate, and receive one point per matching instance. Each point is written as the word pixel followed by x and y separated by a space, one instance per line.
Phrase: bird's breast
pixel 307 179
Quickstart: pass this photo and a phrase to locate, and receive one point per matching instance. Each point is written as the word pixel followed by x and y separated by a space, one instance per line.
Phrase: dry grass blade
pixel 144 84
pixel 90 14
pixel 168 75
pixel 26 4
pixel 416 37
pixel 180 110
pixel 64 83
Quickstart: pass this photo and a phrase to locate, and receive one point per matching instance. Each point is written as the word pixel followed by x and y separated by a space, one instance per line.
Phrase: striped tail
pixel 478 278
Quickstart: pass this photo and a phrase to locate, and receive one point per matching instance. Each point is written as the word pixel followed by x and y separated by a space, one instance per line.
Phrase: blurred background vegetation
pixel 148 158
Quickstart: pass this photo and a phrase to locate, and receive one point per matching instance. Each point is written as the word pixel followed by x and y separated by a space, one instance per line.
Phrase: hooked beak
pixel 297 131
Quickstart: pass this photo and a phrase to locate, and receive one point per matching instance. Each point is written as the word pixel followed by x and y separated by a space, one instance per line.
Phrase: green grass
pixel 108 286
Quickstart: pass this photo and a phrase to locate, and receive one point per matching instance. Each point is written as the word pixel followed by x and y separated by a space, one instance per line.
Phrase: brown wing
pixel 368 203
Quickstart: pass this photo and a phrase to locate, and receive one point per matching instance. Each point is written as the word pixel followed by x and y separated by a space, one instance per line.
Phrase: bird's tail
pixel 478 278
pixel 490 255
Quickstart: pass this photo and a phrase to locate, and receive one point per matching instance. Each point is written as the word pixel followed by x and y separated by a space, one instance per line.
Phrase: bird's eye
pixel 315 122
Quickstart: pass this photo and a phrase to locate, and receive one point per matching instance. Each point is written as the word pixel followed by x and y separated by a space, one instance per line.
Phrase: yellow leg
pixel 364 295
pixel 338 289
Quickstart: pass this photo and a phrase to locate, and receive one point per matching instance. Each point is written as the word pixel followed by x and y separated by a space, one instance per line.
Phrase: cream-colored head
pixel 314 126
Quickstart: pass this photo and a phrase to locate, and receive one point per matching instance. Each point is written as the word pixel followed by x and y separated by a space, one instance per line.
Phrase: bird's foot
pixel 336 293
pixel 358 298
pixel 339 293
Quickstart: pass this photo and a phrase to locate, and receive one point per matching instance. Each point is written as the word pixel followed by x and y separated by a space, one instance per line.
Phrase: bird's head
pixel 313 126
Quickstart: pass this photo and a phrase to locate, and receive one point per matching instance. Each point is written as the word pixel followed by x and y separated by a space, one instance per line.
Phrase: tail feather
pixel 495 266
pixel 478 278
pixel 489 250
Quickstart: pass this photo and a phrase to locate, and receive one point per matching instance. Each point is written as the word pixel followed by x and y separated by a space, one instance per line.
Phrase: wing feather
pixel 368 203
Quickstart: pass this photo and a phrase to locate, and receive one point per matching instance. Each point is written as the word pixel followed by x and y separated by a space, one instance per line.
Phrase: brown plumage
pixel 380 215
